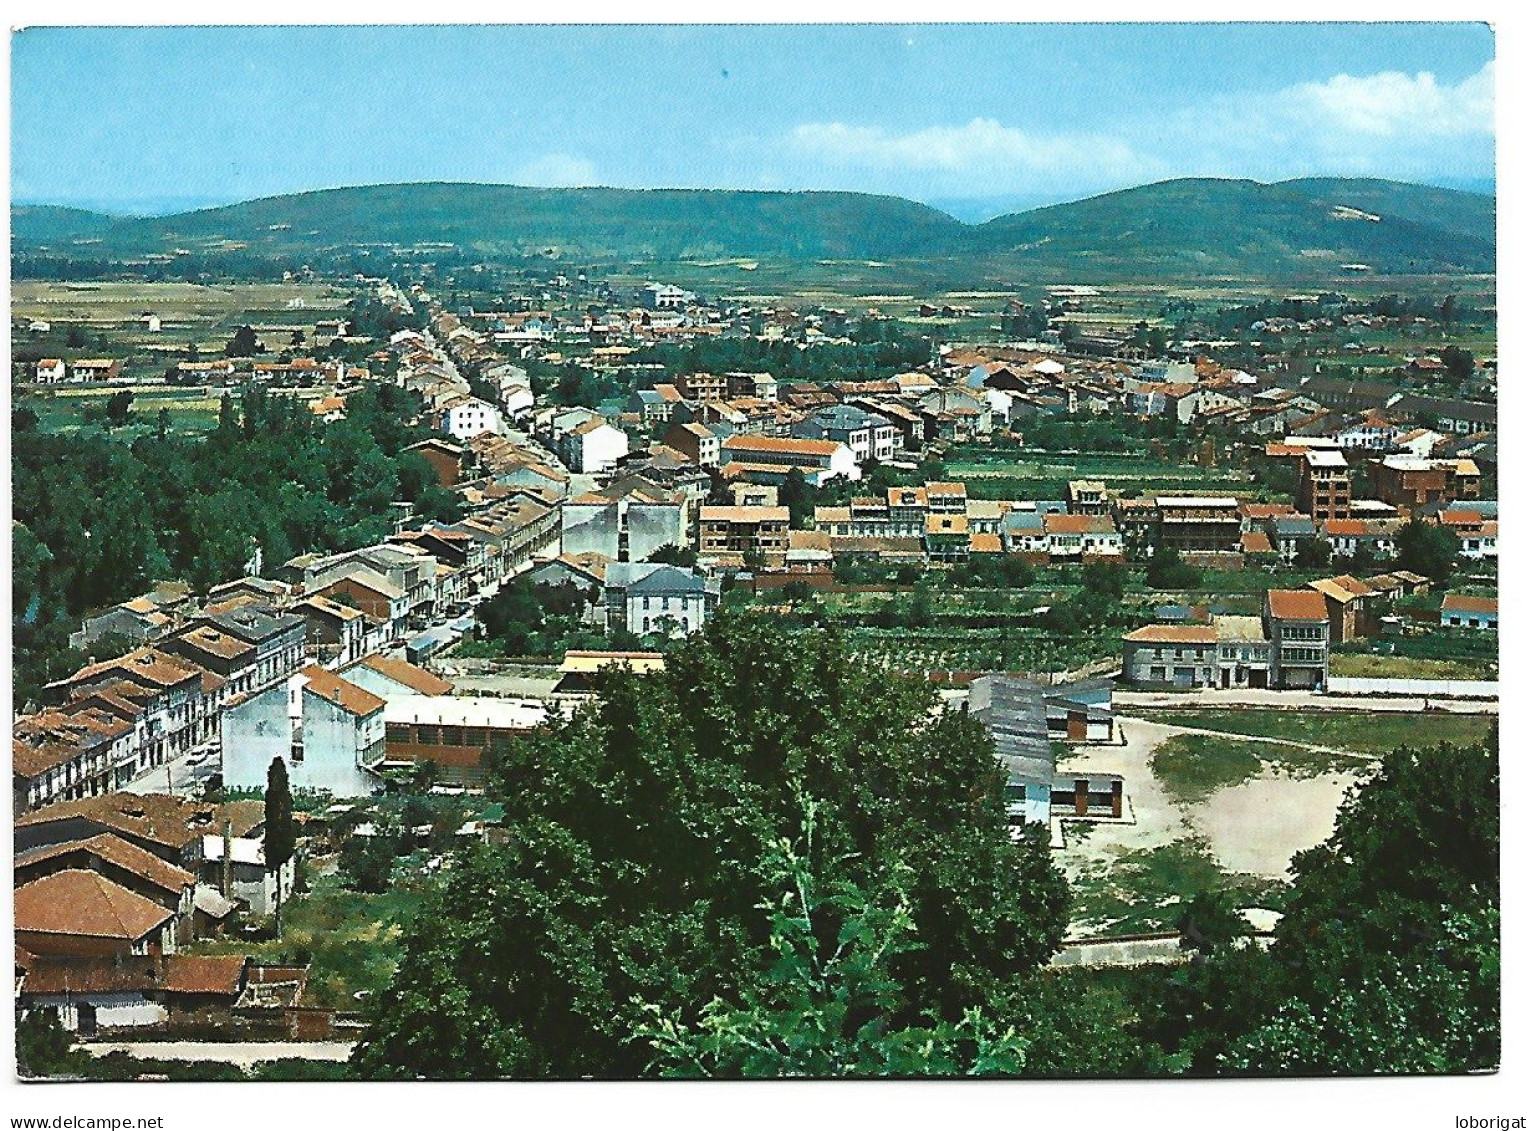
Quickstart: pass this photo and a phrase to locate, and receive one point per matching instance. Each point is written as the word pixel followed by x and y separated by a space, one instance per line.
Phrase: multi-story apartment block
pixel 1199 523
pixel 1323 488
pixel 703 386
pixel 1296 622
pixel 868 436
pixel 1407 481
pixel 745 530
pixel 1087 496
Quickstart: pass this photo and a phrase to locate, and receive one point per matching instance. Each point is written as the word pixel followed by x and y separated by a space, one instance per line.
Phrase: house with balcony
pixel 1296 622
pixel 743 533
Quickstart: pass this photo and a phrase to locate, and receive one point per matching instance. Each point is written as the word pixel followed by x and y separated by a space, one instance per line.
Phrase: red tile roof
pixel 79 902
pixel 114 850
pixel 1463 603
pixel 167 973
pixel 154 817
pixel 1296 604
pixel 348 696
pixel 751 443
pixel 418 679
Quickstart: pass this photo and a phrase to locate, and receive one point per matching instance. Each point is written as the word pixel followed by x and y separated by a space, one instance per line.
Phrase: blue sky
pixel 155 118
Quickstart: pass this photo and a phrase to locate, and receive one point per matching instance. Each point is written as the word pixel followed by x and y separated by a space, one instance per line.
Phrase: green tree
pixel 1166 570
pixel 1459 363
pixel 920 609
pixel 797 496
pixel 1313 553
pixel 368 862
pixel 1386 959
pixel 1428 549
pixel 825 1003
pixel 279 836
pixel 119 405
pixel 685 556
pixel 632 871
pixel 44 1047
pixel 243 343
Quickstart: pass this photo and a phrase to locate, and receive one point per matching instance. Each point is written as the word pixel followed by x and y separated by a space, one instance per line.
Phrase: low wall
pixel 1442 688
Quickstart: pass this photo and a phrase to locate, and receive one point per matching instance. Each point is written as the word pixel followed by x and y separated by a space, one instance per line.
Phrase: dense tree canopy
pixel 1427 549
pixel 108 518
pixel 632 876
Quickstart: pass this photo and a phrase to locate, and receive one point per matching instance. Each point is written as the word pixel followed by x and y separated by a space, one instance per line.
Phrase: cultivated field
pixel 65 409
pixel 189 312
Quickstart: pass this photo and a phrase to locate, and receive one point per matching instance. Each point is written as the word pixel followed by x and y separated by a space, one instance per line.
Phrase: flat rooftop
pixel 466 710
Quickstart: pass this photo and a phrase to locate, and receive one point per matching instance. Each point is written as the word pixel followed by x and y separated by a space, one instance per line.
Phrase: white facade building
pixel 467 418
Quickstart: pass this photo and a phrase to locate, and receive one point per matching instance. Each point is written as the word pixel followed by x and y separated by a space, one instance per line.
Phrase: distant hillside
pixel 660 224
pixel 1242 227
pixel 1469 213
pixel 1184 227
pixel 40 223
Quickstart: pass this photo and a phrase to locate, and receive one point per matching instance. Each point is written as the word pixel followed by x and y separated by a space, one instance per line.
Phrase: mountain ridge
pixel 1184 224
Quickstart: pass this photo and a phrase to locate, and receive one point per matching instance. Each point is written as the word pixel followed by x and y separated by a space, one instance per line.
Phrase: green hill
pixel 655 224
pixel 1232 227
pixel 1184 228
pixel 1469 213
pixel 42 223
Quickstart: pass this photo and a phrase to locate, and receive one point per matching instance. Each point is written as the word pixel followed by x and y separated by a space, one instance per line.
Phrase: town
pixel 581 552
pixel 1258 554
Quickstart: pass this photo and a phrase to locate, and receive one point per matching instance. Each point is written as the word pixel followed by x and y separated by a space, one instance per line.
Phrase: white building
pixel 518 400
pixel 647 598
pixel 660 296
pixel 464 418
pixel 327 730
pixel 250 882
pixel 592 447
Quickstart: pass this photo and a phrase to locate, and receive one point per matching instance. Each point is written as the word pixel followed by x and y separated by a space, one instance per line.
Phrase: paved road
pixel 243 1053
pixel 184 778
pixel 1250 697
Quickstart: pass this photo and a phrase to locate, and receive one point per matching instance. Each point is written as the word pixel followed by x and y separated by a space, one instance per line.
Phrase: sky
pixel 974 118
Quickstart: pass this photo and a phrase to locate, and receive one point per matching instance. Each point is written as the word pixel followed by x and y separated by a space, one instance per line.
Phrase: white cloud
pixel 557 170
pixel 981 146
pixel 1392 103
pixel 1385 124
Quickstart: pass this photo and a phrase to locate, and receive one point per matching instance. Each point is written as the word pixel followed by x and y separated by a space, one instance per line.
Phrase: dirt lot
pixel 1142 871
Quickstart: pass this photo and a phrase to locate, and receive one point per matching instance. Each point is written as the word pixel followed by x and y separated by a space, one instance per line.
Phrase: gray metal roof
pixel 1013 711
pixel 653 579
